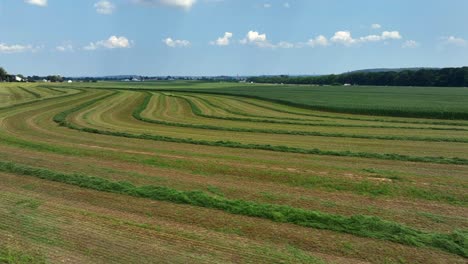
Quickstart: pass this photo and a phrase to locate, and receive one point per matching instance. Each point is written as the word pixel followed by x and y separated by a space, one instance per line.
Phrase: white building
pixel 18 79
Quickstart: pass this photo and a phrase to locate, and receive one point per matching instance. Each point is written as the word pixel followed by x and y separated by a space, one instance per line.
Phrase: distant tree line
pixel 3 75
pixel 447 77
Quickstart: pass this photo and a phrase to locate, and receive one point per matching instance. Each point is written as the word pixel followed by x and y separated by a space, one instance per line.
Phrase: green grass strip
pixel 61 119
pixel 34 94
pixel 13 256
pixel 369 112
pixel 81 91
pixel 351 110
pixel 137 115
pixel 196 110
pixel 359 225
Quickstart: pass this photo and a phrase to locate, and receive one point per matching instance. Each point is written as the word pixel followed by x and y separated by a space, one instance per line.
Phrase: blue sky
pixel 229 37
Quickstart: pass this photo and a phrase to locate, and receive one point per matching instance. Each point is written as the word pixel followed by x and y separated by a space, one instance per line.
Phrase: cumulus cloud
pixel 64 48
pixel 224 40
pixel 286 5
pixel 174 43
pixel 104 7
pixel 340 37
pixel 391 35
pixel 184 4
pixel 113 42
pixel 456 41
pixel 376 26
pixel 267 5
pixel 37 2
pixel 15 48
pixel 257 39
pixel 410 44
pixel 318 41
pixel 345 37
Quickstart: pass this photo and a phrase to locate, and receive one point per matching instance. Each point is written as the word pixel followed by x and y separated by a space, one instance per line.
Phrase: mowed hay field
pixel 193 172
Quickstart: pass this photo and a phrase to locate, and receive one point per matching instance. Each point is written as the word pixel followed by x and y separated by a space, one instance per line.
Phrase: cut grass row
pixel 297 98
pixel 360 225
pixel 13 256
pixel 197 111
pixel 61 119
pixel 330 184
pixel 34 94
pixel 366 112
pixel 21 104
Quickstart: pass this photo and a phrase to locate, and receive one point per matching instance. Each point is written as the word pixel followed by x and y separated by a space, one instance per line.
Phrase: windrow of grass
pixel 41 100
pixel 359 225
pixel 34 94
pixel 13 256
pixel 61 119
pixel 397 188
pixel 368 112
pixel 374 111
pixel 197 111
pixel 147 99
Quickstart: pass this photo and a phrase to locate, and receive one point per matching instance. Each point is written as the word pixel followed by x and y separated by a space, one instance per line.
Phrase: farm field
pixel 180 172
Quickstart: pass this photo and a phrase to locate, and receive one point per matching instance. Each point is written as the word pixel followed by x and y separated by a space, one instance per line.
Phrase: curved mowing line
pixel 379 112
pixel 375 120
pixel 359 225
pixel 307 107
pixel 206 101
pixel 34 94
pixel 196 110
pixel 137 115
pixel 56 90
pixel 61 119
pixel 43 99
pixel 324 109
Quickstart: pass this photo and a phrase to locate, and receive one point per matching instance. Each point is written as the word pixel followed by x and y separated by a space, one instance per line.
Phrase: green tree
pixel 3 74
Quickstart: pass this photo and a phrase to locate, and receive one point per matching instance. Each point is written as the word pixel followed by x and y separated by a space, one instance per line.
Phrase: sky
pixel 229 37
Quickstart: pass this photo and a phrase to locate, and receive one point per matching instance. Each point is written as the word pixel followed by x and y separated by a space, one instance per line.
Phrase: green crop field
pixel 188 171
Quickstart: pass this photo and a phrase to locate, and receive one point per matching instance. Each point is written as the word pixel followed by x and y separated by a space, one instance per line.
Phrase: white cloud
pixel 113 42
pixel 104 7
pixel 65 48
pixel 370 38
pixel 255 38
pixel 266 5
pixel 184 4
pixel 391 35
pixel 5 48
pixel 318 41
pixel 286 5
pixel 174 43
pixel 37 2
pixel 376 26
pixel 345 37
pixel 224 40
pixel 410 44
pixel 285 45
pixel 456 41
pixel 261 41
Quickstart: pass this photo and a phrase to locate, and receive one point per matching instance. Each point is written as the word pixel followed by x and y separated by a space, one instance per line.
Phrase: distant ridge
pixel 394 69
